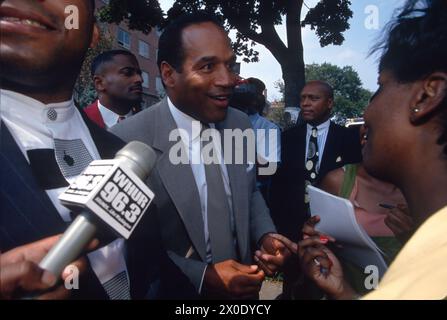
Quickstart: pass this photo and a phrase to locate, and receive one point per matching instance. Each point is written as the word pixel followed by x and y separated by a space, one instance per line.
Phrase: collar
pixel 20 108
pixel 109 117
pixel 185 121
pixel 321 127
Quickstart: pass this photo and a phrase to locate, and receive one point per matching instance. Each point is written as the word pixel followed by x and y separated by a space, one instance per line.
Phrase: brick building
pixel 145 48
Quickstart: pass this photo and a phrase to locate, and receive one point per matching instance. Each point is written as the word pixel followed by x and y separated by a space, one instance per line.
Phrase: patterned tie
pixel 117 288
pixel 311 162
pixel 218 212
pixel 72 157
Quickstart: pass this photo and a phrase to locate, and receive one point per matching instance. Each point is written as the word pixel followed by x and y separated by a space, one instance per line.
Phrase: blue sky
pixel 353 52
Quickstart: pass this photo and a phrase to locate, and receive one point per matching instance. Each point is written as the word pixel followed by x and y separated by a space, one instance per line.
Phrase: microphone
pixel 107 192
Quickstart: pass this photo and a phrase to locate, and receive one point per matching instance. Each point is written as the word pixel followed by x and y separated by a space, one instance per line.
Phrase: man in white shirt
pixel 46 143
pixel 212 215
pixel 308 152
pixel 118 82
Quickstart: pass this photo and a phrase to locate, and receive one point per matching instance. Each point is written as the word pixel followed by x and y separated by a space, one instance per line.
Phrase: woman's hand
pixel 320 264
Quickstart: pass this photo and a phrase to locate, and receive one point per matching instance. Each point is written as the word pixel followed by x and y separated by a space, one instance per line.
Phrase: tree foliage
pixel 140 15
pixel 254 22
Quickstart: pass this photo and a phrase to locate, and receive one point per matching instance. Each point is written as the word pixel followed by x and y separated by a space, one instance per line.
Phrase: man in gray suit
pixel 212 215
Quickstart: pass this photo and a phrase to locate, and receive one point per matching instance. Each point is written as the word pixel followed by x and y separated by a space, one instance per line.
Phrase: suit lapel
pixel 295 149
pixel 31 215
pixel 329 149
pixel 302 136
pixel 35 216
pixel 175 177
pixel 94 114
pixel 106 143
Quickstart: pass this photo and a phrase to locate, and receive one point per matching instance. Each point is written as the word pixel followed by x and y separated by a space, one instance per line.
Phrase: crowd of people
pixel 217 230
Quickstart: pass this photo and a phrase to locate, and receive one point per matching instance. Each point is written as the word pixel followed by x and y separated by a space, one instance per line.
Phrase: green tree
pixel 254 22
pixel 350 97
pixel 140 15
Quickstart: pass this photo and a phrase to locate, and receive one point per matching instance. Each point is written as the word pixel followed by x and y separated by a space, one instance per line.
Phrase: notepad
pixel 338 220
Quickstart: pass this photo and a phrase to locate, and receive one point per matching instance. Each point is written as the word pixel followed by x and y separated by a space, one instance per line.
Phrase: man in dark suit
pixel 45 144
pixel 118 82
pixel 309 151
pixel 212 215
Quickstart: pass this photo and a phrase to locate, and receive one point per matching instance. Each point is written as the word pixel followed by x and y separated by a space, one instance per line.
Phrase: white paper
pixel 338 220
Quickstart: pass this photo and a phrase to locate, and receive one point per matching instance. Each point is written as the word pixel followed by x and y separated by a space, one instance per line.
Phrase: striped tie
pixel 117 288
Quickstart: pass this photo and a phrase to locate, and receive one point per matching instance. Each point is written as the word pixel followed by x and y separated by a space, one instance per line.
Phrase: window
pixel 143 49
pixel 145 77
pixel 123 38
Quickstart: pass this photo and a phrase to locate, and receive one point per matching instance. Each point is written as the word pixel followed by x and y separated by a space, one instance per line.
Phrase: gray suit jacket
pixel 177 197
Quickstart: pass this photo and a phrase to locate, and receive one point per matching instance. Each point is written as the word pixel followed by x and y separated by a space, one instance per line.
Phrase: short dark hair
pixel 259 85
pixel 105 57
pixel 170 47
pixel 326 87
pixel 416 46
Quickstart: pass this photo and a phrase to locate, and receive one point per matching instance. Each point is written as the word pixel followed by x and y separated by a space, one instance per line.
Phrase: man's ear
pixel 95 36
pixel 429 97
pixel 331 104
pixel 98 81
pixel 168 74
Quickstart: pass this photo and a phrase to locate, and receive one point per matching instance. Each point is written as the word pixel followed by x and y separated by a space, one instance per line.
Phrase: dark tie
pixel 311 161
pixel 121 118
pixel 218 211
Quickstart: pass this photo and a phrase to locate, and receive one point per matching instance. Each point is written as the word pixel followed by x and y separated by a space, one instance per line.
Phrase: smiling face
pixel 121 82
pixel 204 84
pixel 37 50
pixel 316 104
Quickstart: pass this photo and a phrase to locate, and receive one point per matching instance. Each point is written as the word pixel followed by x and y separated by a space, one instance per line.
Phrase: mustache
pixel 136 87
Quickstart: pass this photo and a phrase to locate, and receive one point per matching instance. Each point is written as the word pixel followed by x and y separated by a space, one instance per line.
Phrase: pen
pixel 323 270
pixel 387 206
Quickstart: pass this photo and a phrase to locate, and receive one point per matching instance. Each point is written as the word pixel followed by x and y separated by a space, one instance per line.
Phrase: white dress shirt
pixel 323 130
pixel 35 125
pixel 109 117
pixel 185 122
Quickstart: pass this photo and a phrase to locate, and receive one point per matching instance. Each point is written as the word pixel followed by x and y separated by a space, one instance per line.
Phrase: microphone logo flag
pixel 111 191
